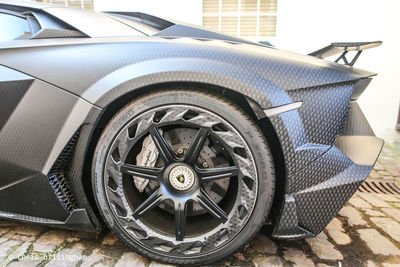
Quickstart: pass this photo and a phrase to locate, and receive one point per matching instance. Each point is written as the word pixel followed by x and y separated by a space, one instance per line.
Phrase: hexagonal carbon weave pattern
pixel 308 132
pixel 320 190
pixel 57 175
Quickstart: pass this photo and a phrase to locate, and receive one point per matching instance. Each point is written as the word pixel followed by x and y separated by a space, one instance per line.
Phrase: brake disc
pixel 180 139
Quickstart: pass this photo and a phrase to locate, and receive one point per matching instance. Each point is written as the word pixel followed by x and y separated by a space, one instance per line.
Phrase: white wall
pixel 189 11
pixel 306 25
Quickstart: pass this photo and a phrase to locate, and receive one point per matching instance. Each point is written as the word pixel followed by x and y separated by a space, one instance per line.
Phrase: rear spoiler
pixel 343 49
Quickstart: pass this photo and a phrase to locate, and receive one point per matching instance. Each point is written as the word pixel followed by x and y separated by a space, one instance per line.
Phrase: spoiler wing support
pixel 343 49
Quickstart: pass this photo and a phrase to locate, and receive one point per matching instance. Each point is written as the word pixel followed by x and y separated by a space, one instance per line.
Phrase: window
pixel 88 4
pixel 13 27
pixel 246 18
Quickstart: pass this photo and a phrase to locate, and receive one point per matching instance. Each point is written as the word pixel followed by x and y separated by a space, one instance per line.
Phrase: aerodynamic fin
pixel 343 49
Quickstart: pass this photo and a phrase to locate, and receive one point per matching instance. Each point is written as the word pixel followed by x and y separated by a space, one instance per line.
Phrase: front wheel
pixel 183 177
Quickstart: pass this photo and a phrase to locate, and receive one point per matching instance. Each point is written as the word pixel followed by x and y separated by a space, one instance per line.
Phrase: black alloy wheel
pixel 183 176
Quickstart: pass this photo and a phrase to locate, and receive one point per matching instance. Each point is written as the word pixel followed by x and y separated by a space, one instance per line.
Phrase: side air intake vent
pixel 57 175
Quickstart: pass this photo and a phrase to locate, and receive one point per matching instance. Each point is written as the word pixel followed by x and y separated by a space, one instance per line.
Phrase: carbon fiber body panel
pixel 36 126
pixel 315 193
pixel 53 88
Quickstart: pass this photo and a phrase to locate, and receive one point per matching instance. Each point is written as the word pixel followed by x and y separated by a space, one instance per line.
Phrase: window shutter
pixel 256 18
pixel 229 25
pixel 210 6
pixel 230 6
pixel 210 23
pixel 267 26
pixel 248 26
pixel 87 4
pixel 268 6
pixel 75 3
pixel 249 6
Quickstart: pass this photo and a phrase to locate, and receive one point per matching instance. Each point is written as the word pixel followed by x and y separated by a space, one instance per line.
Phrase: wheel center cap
pixel 181 177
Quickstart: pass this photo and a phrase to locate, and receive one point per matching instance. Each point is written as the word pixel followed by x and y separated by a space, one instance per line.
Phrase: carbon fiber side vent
pixel 57 175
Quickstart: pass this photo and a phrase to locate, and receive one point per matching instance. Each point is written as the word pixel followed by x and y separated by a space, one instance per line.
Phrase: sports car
pixel 182 141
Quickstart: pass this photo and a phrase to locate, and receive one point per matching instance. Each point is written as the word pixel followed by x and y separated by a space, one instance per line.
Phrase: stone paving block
pixel 110 239
pixel 264 244
pixel 373 200
pixel 30 230
pixel 239 256
pixel 377 243
pixel 85 235
pixel 371 264
pixel 323 248
pixel 390 198
pixel 131 259
pixel 374 174
pixel 297 257
pixel 72 239
pixel 17 253
pixel 6 248
pixel 353 216
pixel 389 226
pixel 384 173
pixel 379 167
pixel 396 204
pixel 22 238
pixel 4 230
pixel 66 258
pixel 394 213
pixel 268 261
pixel 96 256
pixel 359 202
pixel 374 213
pixel 3 239
pixel 391 264
pixel 25 262
pixel 337 233
pixel 50 240
pixel 394 172
pixel 25 232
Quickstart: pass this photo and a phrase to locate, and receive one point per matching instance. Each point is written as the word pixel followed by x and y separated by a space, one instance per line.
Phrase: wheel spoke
pixel 194 150
pixel 166 153
pixel 207 203
pixel 207 175
pixel 152 201
pixel 180 221
pixel 141 171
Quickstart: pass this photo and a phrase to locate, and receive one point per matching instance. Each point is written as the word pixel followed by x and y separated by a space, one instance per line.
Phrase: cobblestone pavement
pixel 366 232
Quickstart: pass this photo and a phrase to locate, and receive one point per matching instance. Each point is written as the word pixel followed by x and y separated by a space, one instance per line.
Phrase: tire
pixel 201 202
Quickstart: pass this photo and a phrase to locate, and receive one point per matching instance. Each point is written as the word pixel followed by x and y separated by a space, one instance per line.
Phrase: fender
pixel 132 77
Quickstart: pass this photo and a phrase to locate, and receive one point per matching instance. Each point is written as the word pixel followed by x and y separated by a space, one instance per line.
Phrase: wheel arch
pixel 238 98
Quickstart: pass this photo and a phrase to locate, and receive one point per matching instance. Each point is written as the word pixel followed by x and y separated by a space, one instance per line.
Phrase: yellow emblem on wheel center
pixel 180 178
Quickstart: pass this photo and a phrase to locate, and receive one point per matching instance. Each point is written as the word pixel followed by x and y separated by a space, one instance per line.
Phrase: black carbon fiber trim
pixel 318 191
pixel 78 219
pixel 356 123
pixel 57 175
pixel 290 228
pixel 11 93
pixel 302 142
pixel 79 176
